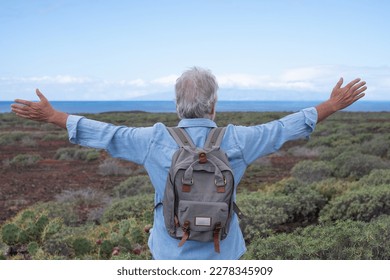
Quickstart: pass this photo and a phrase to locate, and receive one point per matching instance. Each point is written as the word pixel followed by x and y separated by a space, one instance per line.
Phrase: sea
pixel 79 107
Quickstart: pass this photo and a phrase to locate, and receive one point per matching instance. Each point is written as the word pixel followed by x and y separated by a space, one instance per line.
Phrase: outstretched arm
pixel 39 111
pixel 341 98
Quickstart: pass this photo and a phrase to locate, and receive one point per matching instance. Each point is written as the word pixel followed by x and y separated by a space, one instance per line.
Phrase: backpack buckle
pixel 186 233
pixel 186 186
pixel 202 157
pixel 220 188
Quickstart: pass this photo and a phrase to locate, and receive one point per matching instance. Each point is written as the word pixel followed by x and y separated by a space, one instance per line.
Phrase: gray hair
pixel 196 94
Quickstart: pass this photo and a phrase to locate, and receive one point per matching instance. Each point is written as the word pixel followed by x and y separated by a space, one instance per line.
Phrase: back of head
pixel 196 94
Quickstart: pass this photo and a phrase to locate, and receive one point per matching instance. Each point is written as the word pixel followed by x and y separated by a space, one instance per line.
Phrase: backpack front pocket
pixel 201 218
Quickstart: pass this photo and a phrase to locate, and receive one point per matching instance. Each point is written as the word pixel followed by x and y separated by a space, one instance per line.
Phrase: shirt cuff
pixel 71 126
pixel 310 117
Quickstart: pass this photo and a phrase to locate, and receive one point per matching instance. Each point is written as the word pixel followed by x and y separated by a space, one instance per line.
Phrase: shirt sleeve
pixel 123 142
pixel 260 140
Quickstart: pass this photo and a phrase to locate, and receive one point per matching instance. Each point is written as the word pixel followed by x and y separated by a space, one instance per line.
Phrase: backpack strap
pixel 214 138
pixel 181 137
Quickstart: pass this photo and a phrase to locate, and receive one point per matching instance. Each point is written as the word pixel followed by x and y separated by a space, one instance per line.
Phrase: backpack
pixel 198 199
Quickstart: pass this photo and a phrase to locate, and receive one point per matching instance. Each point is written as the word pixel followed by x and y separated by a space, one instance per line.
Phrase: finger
pixel 20 112
pixel 339 83
pixel 358 85
pixel 359 96
pixel 23 115
pixel 17 106
pixel 40 95
pixel 360 90
pixel 350 84
pixel 24 102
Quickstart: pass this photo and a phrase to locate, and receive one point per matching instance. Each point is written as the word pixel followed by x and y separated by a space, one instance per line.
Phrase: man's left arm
pixel 260 140
pixel 341 97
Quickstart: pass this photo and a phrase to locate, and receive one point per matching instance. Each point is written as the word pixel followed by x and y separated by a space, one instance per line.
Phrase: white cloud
pixel 167 81
pixel 59 79
pixel 315 79
pixel 310 81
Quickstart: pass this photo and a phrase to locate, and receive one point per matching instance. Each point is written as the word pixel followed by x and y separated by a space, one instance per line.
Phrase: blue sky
pixel 258 49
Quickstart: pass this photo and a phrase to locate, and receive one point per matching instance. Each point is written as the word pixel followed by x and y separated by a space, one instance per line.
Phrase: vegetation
pixel 334 203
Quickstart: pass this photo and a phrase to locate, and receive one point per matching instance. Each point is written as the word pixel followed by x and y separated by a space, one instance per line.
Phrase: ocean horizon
pixel 74 107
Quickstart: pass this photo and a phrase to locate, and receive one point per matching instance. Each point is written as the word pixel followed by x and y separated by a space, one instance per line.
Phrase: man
pixel 153 147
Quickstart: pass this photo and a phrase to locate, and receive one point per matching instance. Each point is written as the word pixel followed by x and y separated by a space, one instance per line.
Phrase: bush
pixel 24 160
pixel 112 167
pixel 10 138
pixel 55 137
pixel 26 228
pixel 289 203
pixel 77 154
pixel 309 171
pixel 138 207
pixel 378 146
pixel 332 187
pixel 76 207
pixel 355 165
pixel 377 177
pixel 81 246
pixel 134 185
pixel 363 204
pixel 345 240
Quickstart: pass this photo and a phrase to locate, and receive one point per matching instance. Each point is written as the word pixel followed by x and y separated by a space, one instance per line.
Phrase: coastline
pixel 222 106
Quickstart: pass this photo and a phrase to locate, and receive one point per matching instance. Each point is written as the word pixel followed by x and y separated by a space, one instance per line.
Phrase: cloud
pixel 311 82
pixel 59 79
pixel 167 81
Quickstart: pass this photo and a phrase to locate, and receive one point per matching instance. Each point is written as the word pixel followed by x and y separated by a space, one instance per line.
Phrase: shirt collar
pixel 197 122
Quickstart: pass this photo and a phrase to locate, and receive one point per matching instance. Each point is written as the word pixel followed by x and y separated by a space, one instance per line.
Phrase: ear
pixel 212 113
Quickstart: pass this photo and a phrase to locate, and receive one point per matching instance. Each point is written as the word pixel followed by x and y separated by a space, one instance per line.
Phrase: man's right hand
pixel 39 111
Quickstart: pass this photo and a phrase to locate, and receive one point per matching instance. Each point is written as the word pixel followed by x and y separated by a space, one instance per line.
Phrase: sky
pixel 135 50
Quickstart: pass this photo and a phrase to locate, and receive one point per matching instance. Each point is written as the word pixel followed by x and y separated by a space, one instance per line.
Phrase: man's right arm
pixel 123 142
pixel 39 111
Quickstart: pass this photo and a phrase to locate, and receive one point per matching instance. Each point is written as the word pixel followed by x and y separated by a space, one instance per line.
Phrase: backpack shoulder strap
pixel 181 137
pixel 214 138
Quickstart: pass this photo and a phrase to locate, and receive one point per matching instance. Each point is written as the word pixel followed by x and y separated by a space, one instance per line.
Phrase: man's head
pixel 196 94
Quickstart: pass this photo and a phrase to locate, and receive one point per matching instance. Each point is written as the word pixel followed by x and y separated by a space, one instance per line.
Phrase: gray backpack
pixel 198 199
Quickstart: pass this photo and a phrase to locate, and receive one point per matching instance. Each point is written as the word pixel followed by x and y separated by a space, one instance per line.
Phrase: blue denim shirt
pixel 153 147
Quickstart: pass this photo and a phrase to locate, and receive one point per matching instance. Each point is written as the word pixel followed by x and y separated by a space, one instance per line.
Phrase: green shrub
pixel 289 203
pixel 345 240
pixel 124 239
pixel 111 166
pixel 378 146
pixel 105 250
pixel 77 154
pixel 33 247
pixel 355 165
pixel 133 185
pixel 24 160
pixel 309 171
pixel 139 207
pixel 82 246
pixel 26 227
pixel 332 187
pixel 76 207
pixel 376 177
pixel 10 234
pixel 10 138
pixel 55 137
pixel 362 204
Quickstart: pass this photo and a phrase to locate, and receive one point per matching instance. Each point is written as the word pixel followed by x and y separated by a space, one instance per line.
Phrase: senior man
pixel 153 147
